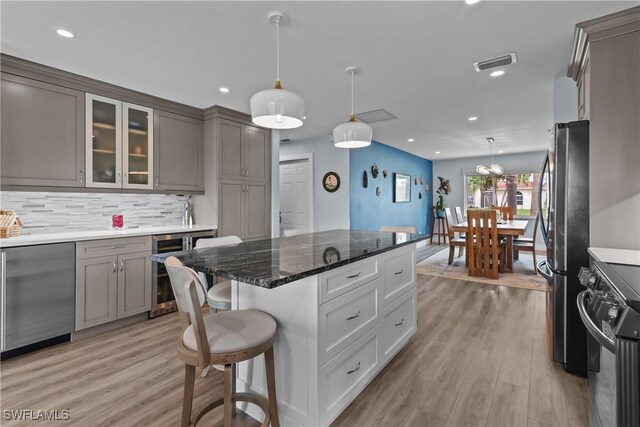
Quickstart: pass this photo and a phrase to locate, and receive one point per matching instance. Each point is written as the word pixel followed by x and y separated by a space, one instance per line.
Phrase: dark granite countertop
pixel 274 262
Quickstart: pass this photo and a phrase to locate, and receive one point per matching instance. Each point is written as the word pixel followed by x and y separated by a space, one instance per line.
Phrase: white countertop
pixel 76 236
pixel 616 256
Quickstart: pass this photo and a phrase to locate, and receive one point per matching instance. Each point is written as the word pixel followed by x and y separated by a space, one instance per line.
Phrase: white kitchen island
pixel 345 304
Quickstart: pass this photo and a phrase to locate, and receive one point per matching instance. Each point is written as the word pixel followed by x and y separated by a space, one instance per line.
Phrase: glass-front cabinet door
pixel 119 144
pixel 137 146
pixel 104 141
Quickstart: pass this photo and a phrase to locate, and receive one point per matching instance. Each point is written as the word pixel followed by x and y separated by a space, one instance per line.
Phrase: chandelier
pixel 494 169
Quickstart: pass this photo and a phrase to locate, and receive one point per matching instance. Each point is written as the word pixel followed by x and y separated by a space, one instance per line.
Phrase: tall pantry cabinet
pixel 239 156
pixel 605 64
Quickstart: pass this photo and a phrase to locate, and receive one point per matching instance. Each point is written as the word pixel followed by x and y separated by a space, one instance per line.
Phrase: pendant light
pixel 277 108
pixel 352 134
pixel 494 169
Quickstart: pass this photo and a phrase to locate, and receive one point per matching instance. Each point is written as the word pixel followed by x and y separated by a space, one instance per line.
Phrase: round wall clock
pixel 331 182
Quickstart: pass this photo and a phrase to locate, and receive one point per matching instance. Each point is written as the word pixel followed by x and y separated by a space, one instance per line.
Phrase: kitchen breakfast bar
pixel 344 302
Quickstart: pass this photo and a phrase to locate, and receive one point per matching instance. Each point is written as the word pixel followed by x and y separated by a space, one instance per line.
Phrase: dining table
pixel 506 228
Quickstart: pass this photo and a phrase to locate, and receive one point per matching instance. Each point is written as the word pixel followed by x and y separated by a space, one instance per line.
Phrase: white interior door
pixel 296 195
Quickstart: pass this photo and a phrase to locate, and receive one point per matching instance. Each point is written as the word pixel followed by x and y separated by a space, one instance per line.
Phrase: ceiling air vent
pixel 500 61
pixel 375 116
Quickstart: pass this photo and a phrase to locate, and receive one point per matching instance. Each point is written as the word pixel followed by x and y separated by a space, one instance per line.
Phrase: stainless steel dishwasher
pixel 38 296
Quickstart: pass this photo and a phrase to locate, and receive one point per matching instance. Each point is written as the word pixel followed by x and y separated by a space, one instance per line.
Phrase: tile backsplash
pixel 52 212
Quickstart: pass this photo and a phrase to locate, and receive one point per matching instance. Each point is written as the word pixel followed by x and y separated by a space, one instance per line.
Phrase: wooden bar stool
pixel 225 338
pixel 442 227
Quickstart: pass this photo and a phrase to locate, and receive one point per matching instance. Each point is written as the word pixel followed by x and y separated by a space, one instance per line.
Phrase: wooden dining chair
pixel 527 244
pixel 506 212
pixel 454 239
pixel 226 338
pixel 486 253
pixel 460 219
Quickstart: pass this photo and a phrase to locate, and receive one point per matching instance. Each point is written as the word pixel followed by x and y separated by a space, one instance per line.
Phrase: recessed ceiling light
pixel 224 89
pixel 497 73
pixel 472 118
pixel 500 151
pixel 304 117
pixel 437 152
pixel 410 139
pixel 471 1
pixel 64 33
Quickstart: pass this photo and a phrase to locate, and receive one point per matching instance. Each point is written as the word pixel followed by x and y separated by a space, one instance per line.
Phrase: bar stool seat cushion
pixel 233 331
pixel 220 292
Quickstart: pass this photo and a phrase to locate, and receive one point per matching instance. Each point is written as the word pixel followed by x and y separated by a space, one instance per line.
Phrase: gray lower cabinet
pixel 42 134
pixel 114 285
pixel 96 291
pixel 257 199
pixel 244 210
pixel 134 284
pixel 178 152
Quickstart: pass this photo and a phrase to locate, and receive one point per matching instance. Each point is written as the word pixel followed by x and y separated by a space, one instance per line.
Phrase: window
pixel 513 189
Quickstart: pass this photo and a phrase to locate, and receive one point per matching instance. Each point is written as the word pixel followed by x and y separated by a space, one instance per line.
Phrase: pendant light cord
pixel 278 49
pixel 352 92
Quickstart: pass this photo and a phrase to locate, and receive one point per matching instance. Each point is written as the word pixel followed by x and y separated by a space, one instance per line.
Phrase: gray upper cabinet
pixel 178 152
pixel 42 134
pixel 256 154
pixel 230 152
pixel 243 151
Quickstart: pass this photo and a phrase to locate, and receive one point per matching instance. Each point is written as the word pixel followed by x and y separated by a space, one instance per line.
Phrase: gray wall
pixel 330 210
pixel 565 100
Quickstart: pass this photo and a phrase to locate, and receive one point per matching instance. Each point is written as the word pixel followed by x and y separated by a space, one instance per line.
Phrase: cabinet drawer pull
pixel 399 272
pixel 401 322
pixel 116 247
pixel 115 267
pixel 353 276
pixel 354 316
pixel 354 370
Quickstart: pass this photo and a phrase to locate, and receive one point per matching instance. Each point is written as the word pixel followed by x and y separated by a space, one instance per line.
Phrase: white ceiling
pixel 416 60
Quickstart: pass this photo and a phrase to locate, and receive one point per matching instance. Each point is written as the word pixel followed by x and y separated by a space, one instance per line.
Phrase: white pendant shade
pixel 483 170
pixel 352 134
pixel 496 169
pixel 277 109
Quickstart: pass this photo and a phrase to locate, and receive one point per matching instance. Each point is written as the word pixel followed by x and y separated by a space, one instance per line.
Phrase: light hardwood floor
pixel 478 358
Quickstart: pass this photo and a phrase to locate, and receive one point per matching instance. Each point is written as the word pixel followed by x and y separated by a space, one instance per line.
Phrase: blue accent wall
pixel 370 212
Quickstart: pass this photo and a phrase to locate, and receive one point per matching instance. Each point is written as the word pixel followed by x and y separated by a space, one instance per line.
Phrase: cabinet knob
pixel 157 180
pixel 118 179
pixel 126 178
pixel 81 177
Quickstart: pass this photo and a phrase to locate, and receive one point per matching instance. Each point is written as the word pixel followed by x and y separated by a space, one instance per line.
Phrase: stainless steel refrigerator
pixel 564 224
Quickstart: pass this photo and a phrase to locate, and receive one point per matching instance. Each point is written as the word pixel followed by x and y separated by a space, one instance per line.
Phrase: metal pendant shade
pixel 277 108
pixel 494 169
pixel 352 134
